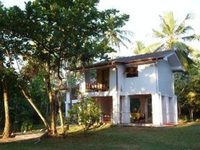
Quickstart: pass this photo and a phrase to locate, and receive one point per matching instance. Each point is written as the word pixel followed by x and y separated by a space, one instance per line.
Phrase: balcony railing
pixel 96 87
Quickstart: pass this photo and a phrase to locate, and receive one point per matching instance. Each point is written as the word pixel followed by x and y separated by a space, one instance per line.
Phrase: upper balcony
pixel 97 80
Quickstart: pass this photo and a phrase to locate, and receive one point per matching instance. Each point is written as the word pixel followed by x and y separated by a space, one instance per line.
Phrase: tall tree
pixel 4 70
pixel 65 31
pixel 171 31
pixel 173 36
pixel 12 47
pixel 188 90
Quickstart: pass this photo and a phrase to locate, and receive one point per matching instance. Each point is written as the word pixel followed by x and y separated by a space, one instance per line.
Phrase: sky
pixel 144 15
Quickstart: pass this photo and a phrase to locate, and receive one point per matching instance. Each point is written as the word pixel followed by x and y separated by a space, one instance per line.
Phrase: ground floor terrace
pixel 139 109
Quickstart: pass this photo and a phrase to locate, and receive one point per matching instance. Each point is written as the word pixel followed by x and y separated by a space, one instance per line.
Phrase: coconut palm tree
pixel 173 36
pixel 172 32
pixel 118 36
pixel 140 47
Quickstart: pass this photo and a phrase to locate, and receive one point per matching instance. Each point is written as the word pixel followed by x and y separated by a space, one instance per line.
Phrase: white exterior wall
pixel 165 78
pixel 145 83
pixel 155 79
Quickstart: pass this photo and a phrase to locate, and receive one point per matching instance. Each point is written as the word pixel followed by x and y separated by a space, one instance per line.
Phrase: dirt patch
pixel 23 137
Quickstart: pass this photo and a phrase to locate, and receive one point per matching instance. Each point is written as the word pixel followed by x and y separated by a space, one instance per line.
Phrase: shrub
pixel 86 112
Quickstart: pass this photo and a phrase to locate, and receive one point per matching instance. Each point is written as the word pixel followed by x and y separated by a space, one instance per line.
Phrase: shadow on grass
pixel 119 138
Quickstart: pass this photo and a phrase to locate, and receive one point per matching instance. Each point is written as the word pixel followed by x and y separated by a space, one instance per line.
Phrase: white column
pixel 82 83
pixel 146 110
pixel 67 101
pixel 167 109
pixel 125 109
pixel 116 109
pixel 157 109
pixel 175 109
pixel 163 109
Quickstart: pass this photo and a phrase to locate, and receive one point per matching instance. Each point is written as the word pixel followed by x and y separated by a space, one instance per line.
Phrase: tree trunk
pixel 60 112
pixel 52 113
pixel 6 131
pixel 29 99
pixel 53 130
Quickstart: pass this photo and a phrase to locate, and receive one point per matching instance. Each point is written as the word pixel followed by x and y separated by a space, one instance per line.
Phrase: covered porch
pixel 136 109
pixel 148 109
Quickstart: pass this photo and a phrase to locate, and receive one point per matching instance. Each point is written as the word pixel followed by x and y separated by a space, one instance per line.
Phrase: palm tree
pixel 172 32
pixel 140 48
pixel 173 36
pixel 117 37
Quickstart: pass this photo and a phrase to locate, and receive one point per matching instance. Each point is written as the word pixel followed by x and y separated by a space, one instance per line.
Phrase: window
pixel 131 72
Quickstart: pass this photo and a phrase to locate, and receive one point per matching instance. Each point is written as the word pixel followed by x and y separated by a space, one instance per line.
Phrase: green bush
pixel 26 126
pixel 86 112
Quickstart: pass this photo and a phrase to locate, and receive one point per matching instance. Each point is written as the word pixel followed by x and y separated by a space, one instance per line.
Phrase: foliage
pixel 47 35
pixel 172 31
pixel 140 48
pixel 26 126
pixel 86 112
pixel 173 36
pixel 187 88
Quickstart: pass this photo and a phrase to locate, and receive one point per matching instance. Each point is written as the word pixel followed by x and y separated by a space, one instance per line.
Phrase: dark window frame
pixel 131 72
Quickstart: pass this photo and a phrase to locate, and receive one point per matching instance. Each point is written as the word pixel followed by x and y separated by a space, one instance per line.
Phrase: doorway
pixel 141 109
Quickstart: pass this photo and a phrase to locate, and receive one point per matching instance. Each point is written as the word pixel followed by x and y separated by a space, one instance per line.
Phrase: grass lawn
pixel 119 138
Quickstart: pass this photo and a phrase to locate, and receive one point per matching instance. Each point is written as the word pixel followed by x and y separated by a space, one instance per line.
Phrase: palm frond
pixel 181 28
pixel 148 49
pixel 168 23
pixel 189 37
pixel 197 37
pixel 117 37
pixel 158 34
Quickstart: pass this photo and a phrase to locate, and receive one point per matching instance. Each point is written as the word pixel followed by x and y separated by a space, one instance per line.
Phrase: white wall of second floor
pixel 145 82
pixel 152 78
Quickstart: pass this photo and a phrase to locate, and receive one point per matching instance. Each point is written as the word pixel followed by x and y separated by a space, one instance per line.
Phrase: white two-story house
pixel 135 89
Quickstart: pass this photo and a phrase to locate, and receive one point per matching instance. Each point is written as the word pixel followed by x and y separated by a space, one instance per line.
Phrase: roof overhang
pixel 174 62
pixel 169 56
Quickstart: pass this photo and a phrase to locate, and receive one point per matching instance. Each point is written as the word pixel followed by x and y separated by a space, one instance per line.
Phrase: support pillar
pixel 125 111
pixel 166 98
pixel 116 109
pixel 175 109
pixel 157 109
pixel 67 101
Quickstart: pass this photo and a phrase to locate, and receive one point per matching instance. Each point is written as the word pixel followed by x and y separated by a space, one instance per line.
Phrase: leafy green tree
pixel 7 73
pixel 12 47
pixel 52 32
pixel 86 112
pixel 187 87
